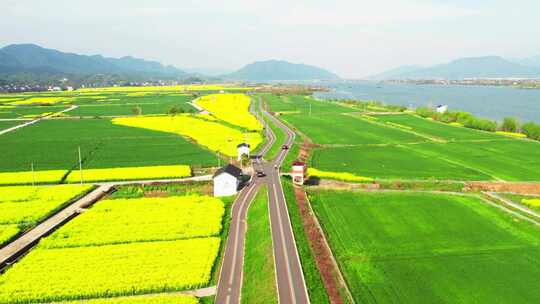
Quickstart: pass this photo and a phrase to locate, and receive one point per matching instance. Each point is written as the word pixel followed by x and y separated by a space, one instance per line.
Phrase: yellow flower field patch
pixel 27 177
pixel 213 135
pixel 232 108
pixel 38 100
pixel 531 202
pixel 129 173
pixel 514 134
pixel 344 176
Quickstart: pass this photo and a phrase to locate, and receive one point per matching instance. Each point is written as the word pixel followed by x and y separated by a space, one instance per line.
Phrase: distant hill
pixel 273 70
pixel 474 67
pixel 33 59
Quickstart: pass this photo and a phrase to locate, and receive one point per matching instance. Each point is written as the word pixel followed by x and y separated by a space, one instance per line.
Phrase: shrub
pixel 532 130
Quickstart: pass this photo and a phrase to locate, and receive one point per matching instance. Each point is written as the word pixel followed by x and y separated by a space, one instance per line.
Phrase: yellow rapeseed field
pixel 514 134
pixel 159 299
pixel 531 202
pixel 38 100
pixel 7 232
pixel 344 176
pixel 213 135
pixel 49 275
pixel 26 177
pixel 146 219
pixel 232 108
pixel 129 173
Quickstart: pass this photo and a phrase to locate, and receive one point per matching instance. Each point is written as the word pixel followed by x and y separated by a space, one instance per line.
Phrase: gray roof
pixel 231 169
pixel 243 145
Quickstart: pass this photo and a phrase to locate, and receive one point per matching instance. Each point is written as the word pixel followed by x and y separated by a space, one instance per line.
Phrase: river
pixel 484 101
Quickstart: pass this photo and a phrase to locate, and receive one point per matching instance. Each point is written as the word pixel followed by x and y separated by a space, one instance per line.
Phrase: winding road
pixel 289 276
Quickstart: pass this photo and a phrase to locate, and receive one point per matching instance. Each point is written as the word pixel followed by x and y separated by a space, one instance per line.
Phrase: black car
pixel 260 174
pixel 284 147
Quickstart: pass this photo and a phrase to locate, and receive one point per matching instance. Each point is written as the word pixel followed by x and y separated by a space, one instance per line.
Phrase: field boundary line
pixel 458 163
pixel 512 204
pixel 431 138
pixel 506 209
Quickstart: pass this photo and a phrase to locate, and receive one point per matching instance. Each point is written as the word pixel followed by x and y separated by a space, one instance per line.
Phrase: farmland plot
pixel 304 105
pixel 391 162
pixel 231 108
pixel 421 247
pixel 53 144
pixel 122 247
pixel 141 220
pixel 22 207
pixel 344 129
pixel 439 130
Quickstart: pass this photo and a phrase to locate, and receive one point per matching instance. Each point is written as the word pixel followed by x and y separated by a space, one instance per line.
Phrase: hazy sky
pixel 352 38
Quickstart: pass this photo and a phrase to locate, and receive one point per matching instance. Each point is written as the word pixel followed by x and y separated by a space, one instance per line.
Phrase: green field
pixel 53 144
pixel 304 105
pixel 429 248
pixel 8 124
pixel 390 162
pixel 155 104
pixel 259 278
pixel 435 129
pixel 26 111
pixel 344 129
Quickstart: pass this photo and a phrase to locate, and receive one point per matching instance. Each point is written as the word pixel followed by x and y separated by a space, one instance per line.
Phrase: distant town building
pixel 442 109
pixel 227 180
pixel 243 149
pixel 69 89
pixel 298 172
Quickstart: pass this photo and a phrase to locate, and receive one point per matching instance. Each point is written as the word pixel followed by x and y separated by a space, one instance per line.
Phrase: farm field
pixel 231 108
pixel 259 278
pixel 439 130
pixel 344 129
pixel 159 299
pixel 390 162
pixel 110 240
pixel 53 144
pixel 8 124
pixel 120 221
pixel 211 134
pixel 23 207
pixel 131 173
pixel 289 104
pixel 28 112
pixel 412 247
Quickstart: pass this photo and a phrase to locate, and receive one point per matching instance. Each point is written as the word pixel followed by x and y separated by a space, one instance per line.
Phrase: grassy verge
pixel 280 139
pixel 259 280
pixel 316 289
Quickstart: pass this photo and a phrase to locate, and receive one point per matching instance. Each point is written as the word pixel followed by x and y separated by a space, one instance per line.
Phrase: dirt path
pixel 512 204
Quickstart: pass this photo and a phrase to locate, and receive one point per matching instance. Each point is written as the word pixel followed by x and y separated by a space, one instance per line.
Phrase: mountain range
pixel 33 62
pixel 472 67
pixel 276 70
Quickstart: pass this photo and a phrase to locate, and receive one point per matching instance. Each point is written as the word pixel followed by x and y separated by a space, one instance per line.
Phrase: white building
pixel 243 149
pixel 298 172
pixel 227 180
pixel 442 109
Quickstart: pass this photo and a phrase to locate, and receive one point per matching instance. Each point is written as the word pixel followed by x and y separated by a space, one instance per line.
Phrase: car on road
pixel 284 147
pixel 260 174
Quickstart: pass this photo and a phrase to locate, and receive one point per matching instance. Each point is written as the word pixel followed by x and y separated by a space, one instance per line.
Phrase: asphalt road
pixel 289 276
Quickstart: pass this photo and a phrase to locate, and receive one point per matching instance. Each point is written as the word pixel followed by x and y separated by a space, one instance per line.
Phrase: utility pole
pixel 33 176
pixel 80 164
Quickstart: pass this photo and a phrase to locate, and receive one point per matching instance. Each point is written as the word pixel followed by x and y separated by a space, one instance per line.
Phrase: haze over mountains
pixel 32 61
pixel 472 67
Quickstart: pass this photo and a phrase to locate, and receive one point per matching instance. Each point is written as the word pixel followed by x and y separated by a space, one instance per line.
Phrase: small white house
pixel 227 180
pixel 298 172
pixel 442 109
pixel 243 149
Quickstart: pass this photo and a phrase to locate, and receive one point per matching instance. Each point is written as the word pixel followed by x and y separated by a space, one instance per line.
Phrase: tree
pixel 137 110
pixel 532 130
pixel 510 124
pixel 174 110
